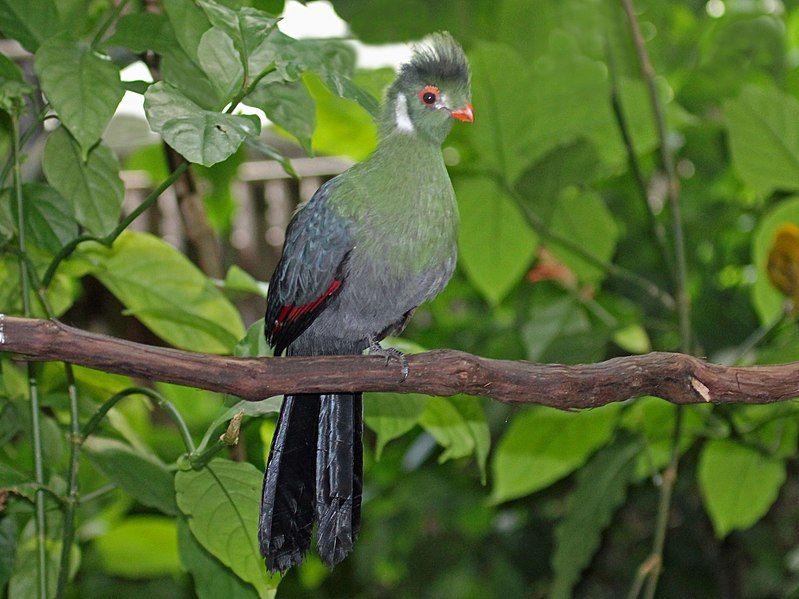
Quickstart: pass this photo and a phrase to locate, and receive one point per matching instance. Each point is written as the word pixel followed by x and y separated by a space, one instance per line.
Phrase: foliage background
pixel 561 502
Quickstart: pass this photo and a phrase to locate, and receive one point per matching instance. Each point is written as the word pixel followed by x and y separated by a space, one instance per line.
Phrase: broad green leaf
pixel 93 186
pixel 633 338
pixel 144 31
pixel 200 135
pixel 600 489
pixel 9 71
pixel 140 547
pixel 496 243
pixel 474 418
pixel 763 129
pixel 342 126
pixel 30 22
pixel 238 279
pixel 12 96
pixel 289 105
pixel 247 27
pixel 584 219
pixel 141 475
pixel 189 23
pixel 11 477
pixel 212 579
pixel 738 484
pixel 49 219
pixel 391 415
pixel 767 300
pixel 8 548
pixel 543 445
pixel 222 502
pixel 221 62
pixel 83 87
pixel 187 76
pixel 555 318
pixel 159 286
pixel 501 92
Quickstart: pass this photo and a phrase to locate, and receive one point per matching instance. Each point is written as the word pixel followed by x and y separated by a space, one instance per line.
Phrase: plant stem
pixel 632 159
pixel 761 333
pixel 68 534
pixel 112 16
pixel 155 397
pixel 681 288
pixel 66 251
pixel 22 141
pixel 246 90
pixel 92 495
pixel 38 462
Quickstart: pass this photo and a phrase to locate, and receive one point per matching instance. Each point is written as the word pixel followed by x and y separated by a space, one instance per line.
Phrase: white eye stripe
pixel 403 119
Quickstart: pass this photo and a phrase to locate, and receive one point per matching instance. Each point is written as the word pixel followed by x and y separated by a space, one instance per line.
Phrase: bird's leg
pixel 375 349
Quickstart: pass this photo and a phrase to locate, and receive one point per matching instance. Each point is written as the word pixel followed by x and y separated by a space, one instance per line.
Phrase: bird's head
pixel 430 91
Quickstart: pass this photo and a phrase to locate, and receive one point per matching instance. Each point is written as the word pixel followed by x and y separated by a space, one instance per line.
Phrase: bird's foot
pixel 375 349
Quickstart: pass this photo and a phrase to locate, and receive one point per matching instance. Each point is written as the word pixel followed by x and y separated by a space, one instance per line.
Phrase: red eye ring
pixel 429 95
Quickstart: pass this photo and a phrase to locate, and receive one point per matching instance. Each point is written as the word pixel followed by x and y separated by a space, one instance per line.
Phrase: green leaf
pixel 143 476
pixel 144 31
pixel 496 243
pixel 238 279
pixel 140 547
pixel 543 445
pixel 289 105
pixel 223 502
pixel 763 128
pixel 49 219
pixel 93 186
pixel 83 87
pixel 211 578
pixel 221 62
pixel 738 484
pixel 600 489
pixel 342 126
pixel 458 424
pixel 391 415
pixel 200 135
pixel 767 300
pixel 501 96
pixel 30 22
pixel 189 23
pixel 163 289
pixel 8 548
pixel 9 70
pixel 247 27
pixel 584 219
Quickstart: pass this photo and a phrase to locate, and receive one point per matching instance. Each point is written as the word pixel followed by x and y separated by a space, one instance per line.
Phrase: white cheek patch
pixel 443 102
pixel 403 119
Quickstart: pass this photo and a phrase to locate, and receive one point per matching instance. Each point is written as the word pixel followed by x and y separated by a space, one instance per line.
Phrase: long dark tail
pixel 314 473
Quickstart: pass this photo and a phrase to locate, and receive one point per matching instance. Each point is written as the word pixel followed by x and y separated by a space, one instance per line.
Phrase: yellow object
pixel 783 262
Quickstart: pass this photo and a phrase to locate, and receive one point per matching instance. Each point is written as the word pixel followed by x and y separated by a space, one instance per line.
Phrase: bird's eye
pixel 429 95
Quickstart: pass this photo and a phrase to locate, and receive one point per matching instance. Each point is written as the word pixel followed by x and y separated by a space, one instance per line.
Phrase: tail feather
pixel 287 505
pixel 339 466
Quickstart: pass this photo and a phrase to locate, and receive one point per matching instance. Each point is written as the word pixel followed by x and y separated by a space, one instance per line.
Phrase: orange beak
pixel 464 114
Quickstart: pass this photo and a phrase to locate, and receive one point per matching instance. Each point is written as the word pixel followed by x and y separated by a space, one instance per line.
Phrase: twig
pixel 632 160
pixel 678 378
pixel 112 16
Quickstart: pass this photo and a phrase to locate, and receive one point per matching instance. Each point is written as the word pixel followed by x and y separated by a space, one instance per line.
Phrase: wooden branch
pixel 677 378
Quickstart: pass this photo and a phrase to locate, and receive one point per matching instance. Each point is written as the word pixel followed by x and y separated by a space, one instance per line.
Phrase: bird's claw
pixel 375 349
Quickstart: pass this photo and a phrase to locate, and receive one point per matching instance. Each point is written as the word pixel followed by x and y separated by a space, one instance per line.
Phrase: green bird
pixel 369 247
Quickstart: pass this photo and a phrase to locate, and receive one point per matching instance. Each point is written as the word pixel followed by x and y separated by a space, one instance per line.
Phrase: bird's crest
pixel 438 57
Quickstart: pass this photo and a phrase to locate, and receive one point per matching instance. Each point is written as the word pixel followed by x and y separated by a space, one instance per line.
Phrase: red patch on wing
pixel 290 312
